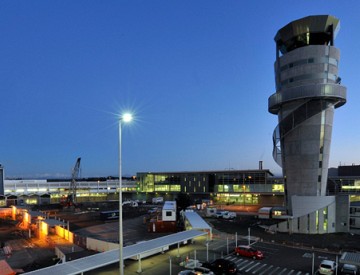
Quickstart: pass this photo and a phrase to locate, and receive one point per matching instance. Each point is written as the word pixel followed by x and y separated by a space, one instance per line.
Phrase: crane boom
pixel 74 175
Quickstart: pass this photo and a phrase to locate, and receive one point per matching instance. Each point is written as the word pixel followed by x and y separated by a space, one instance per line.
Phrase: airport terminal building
pixel 257 187
pixel 236 187
pixel 245 189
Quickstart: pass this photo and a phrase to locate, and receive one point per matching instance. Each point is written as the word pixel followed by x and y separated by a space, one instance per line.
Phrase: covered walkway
pixel 193 221
pixel 139 251
pixel 350 258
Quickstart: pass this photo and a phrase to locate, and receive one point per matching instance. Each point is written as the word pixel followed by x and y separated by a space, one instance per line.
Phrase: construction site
pixel 35 236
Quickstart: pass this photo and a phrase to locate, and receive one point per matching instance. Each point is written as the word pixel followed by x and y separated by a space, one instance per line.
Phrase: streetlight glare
pixel 127 117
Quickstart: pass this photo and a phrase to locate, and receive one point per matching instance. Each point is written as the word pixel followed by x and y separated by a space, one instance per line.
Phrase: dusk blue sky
pixel 196 74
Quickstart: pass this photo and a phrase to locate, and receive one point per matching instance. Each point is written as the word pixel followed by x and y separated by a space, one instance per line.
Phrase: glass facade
pixel 250 187
pixel 344 185
pixel 234 186
pixel 239 187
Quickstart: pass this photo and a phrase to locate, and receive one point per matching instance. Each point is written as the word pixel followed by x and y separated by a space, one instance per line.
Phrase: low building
pixel 169 211
pixel 231 187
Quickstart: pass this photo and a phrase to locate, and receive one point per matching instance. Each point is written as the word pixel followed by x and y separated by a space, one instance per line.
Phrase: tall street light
pixel 125 118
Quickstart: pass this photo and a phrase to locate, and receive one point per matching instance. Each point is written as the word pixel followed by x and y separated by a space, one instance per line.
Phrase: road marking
pixel 283 271
pixel 237 260
pixel 255 265
pixel 244 262
pixel 266 270
pixel 272 272
pixel 240 261
pixel 298 273
pixel 245 266
pixel 291 271
pixel 256 270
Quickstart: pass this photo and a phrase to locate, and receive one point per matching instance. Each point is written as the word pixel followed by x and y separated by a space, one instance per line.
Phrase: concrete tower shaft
pixel 308 89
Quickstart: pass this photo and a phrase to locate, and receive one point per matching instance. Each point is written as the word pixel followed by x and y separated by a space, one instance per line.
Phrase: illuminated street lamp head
pixel 127 117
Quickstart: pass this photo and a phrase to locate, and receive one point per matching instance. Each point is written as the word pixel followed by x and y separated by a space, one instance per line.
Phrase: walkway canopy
pixel 194 221
pixel 350 258
pixel 110 257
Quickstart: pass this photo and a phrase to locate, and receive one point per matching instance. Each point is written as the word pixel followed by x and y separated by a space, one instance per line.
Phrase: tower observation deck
pixel 308 89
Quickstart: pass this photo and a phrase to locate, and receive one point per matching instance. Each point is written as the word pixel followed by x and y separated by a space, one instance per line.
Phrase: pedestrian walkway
pixel 248 266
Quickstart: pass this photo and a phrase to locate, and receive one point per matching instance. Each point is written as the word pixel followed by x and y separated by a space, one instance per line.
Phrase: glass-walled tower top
pixel 311 30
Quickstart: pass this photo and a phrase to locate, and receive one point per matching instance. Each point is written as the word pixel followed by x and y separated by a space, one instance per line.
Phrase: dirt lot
pixel 32 253
pixel 26 254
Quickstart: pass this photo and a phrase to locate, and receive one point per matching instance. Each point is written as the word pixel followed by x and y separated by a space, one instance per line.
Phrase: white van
pixel 130 203
pixel 157 200
pixel 229 215
pixel 210 212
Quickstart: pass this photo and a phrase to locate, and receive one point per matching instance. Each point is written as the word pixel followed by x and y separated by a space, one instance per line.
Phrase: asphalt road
pixel 336 242
pixel 280 258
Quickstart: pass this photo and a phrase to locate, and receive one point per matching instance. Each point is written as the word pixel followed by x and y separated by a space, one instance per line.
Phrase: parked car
pixel 220 214
pixel 221 266
pixel 248 251
pixel 225 215
pixel 349 269
pixel 229 216
pixel 327 267
pixel 157 200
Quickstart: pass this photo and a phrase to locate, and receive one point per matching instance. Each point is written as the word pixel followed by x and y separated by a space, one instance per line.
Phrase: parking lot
pixel 299 250
pixel 301 257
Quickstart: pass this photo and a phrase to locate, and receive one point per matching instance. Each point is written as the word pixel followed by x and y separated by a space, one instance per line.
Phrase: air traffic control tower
pixel 308 90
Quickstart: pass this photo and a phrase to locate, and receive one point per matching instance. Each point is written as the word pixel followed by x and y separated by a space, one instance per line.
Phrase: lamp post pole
pixel 121 261
pixel 124 118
